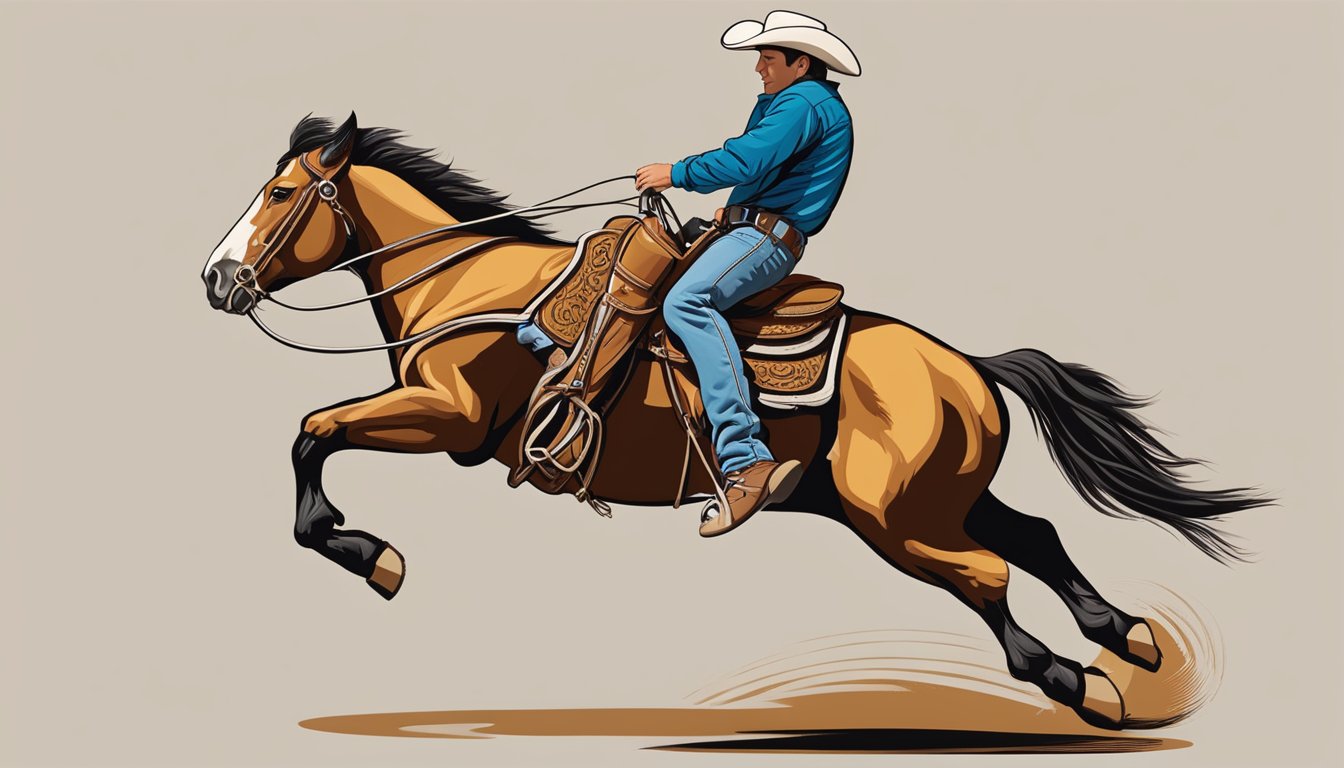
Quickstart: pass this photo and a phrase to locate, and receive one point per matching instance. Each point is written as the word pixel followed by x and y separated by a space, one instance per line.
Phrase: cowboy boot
pixel 750 489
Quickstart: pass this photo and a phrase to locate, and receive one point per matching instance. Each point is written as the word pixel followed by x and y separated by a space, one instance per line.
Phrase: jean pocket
pixel 763 266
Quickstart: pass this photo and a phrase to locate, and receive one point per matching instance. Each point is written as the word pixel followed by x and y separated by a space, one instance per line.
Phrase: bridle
pixel 322 189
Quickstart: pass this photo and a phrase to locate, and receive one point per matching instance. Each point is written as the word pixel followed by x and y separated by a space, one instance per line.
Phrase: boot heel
pixel 784 481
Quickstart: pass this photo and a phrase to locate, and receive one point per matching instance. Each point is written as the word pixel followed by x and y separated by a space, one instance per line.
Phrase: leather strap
pixel 772 224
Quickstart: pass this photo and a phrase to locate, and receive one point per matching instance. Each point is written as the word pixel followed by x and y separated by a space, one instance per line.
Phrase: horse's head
pixel 295 228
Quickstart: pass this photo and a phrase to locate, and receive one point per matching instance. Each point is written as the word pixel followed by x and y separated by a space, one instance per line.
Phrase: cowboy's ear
pixel 336 152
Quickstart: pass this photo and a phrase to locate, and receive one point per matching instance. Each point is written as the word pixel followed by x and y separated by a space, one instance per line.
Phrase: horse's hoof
pixel 388 573
pixel 1102 704
pixel 1142 647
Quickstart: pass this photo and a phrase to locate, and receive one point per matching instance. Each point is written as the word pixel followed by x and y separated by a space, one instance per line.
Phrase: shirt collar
pixel 829 84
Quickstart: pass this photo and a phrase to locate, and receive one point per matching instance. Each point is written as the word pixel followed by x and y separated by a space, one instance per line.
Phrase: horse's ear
pixel 336 152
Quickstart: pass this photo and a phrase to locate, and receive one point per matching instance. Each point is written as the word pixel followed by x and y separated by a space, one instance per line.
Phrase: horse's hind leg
pixel 979 578
pixel 1088 691
pixel 907 473
pixel 917 524
pixel 1032 544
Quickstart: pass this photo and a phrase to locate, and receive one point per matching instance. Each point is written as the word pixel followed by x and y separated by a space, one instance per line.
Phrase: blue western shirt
pixel 792 159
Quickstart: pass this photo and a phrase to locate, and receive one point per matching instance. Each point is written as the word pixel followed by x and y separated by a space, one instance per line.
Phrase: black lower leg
pixel 1029 660
pixel 316 518
pixel 1032 544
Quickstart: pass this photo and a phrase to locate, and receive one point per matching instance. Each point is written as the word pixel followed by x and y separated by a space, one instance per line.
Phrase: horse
pixel 903 455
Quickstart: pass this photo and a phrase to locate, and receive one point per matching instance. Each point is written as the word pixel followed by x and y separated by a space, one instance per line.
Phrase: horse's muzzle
pixel 223 290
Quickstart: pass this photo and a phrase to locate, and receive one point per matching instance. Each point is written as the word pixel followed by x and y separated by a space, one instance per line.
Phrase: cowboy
pixel 787 171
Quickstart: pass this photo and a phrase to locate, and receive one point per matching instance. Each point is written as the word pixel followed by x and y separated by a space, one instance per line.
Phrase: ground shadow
pixel 876 691
pixel 808 724
pixel 932 741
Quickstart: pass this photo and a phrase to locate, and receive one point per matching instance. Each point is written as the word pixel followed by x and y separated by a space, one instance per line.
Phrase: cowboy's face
pixel 776 74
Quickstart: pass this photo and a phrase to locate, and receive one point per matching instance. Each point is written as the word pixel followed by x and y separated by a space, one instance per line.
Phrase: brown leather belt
pixel 772 224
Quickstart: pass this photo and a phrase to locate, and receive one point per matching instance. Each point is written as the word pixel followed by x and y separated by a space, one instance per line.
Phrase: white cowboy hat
pixel 787 29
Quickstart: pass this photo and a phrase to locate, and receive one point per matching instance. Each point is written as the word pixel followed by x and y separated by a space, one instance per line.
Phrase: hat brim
pixel 818 43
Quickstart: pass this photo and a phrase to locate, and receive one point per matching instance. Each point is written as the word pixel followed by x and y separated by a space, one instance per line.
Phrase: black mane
pixel 461 196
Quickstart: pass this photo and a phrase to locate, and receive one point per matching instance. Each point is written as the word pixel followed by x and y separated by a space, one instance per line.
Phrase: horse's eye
pixel 281 194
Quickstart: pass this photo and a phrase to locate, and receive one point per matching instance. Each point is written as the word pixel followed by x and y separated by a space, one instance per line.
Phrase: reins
pixel 464 251
pixel 326 192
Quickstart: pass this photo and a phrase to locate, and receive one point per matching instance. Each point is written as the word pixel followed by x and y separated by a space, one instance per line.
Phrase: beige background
pixel 1153 189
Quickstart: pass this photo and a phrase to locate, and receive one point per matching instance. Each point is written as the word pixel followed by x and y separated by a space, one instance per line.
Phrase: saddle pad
pixel 801 373
pixel 787 374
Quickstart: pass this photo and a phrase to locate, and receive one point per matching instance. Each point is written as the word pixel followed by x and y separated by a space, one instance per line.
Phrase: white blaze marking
pixel 234 244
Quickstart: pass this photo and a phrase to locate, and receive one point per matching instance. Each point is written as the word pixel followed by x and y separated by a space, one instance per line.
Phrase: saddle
pixel 789 335
pixel 603 318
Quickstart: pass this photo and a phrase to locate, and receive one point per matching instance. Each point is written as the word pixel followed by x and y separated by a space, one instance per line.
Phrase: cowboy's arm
pixel 788 126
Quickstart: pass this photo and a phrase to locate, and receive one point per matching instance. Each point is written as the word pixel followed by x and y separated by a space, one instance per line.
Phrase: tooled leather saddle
pixel 604 315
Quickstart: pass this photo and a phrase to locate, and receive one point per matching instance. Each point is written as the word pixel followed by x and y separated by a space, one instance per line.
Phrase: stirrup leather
pixel 562 432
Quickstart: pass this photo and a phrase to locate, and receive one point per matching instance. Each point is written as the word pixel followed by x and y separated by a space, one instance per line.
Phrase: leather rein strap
pixel 323 189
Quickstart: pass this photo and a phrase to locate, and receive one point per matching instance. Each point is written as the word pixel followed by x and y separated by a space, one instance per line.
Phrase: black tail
pixel 1108 454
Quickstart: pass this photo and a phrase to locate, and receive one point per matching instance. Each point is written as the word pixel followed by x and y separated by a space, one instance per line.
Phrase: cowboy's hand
pixel 657 177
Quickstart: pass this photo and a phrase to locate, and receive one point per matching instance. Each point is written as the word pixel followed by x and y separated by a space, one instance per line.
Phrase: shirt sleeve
pixel 787 126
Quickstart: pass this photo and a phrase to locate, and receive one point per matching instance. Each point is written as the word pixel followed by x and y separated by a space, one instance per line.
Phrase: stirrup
pixel 585 421
pixel 558 408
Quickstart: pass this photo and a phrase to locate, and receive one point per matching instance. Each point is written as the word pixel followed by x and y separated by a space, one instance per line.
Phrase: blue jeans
pixel 741 263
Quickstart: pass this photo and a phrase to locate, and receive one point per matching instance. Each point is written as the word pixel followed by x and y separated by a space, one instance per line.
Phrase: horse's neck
pixel 497 278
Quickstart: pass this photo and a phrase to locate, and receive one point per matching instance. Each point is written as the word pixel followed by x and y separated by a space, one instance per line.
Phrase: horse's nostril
pixel 213 279
pixel 219 281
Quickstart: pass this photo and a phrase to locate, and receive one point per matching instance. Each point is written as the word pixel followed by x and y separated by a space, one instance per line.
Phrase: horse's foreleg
pixel 405 420
pixel 316 519
pixel 408 420
pixel 1032 544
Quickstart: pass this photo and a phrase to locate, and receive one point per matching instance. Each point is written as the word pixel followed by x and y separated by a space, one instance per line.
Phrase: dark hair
pixel 816 70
